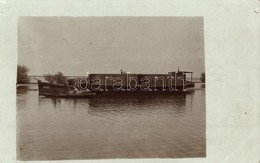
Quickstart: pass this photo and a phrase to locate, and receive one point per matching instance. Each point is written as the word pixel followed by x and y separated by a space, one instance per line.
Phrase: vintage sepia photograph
pixel 110 87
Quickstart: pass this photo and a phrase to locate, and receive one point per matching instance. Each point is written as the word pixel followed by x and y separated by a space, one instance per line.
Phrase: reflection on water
pixel 128 126
pixel 138 105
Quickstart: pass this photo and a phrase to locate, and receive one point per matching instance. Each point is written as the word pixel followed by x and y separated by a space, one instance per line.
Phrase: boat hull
pixel 83 95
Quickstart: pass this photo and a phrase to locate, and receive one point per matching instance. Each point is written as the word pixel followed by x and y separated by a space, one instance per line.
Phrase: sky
pixel 76 45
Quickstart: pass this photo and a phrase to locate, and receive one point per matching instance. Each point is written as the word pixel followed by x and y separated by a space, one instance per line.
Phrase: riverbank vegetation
pixel 57 78
pixel 22 74
pixel 202 77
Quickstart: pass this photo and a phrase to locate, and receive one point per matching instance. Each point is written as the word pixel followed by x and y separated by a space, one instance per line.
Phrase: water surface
pixel 158 126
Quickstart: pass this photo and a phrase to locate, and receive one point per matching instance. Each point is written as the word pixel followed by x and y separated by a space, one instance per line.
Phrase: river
pixel 155 126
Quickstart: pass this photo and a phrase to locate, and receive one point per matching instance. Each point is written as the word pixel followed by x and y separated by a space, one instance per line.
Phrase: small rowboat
pixel 61 91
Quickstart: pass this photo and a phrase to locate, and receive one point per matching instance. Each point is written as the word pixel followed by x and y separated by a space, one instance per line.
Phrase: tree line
pixel 23 78
pixel 58 78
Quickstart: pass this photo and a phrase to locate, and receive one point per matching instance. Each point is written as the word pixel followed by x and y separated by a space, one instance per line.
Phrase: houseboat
pixel 96 84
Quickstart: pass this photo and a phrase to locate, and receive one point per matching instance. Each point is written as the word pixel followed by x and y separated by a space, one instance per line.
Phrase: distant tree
pixel 202 77
pixel 22 74
pixel 57 78
pixel 122 71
